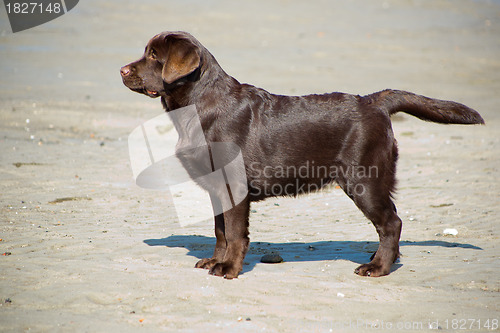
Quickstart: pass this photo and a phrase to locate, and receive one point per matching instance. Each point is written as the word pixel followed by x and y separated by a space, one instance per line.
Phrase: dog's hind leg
pixel 370 186
pixel 388 226
pixel 379 208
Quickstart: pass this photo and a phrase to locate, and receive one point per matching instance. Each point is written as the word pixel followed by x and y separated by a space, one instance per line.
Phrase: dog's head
pixel 170 59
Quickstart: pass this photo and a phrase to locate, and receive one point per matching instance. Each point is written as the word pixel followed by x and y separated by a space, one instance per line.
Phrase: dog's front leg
pixel 220 246
pixel 236 236
pixel 221 243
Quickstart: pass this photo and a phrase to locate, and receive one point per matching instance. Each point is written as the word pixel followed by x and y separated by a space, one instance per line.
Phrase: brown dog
pixel 290 145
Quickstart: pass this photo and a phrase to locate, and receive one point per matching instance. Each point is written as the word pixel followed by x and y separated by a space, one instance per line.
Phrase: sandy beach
pixel 84 249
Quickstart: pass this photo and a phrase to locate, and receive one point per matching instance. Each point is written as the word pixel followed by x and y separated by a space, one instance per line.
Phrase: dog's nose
pixel 125 70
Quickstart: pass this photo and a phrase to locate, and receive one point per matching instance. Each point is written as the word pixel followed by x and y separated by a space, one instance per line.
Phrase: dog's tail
pixel 425 108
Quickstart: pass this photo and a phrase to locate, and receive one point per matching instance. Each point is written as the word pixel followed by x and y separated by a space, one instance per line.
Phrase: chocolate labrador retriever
pixel 290 145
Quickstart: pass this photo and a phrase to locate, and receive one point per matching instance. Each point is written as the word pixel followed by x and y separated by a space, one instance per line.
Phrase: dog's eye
pixel 152 54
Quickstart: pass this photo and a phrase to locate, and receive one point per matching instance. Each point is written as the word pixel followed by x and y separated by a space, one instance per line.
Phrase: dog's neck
pixel 197 87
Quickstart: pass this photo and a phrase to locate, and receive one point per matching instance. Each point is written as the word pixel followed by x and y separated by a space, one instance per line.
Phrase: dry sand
pixel 86 250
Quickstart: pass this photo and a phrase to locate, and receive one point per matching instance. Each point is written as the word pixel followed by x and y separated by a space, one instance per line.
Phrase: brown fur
pixel 334 134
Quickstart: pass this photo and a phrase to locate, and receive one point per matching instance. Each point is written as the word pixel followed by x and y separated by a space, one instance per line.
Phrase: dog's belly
pixel 287 180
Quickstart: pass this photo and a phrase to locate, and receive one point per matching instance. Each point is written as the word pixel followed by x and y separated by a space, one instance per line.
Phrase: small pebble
pixel 450 231
pixel 271 259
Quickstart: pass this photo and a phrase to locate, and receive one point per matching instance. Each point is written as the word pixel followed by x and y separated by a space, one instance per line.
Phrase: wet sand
pixel 85 249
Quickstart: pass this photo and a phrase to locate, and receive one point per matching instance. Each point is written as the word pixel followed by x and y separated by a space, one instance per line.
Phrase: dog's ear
pixel 182 58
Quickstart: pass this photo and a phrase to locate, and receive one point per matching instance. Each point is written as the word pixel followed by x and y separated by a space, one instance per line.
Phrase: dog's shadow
pixel 355 251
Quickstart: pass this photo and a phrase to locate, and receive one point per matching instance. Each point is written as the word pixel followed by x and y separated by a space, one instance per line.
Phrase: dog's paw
pixel 206 263
pixel 226 270
pixel 399 255
pixel 372 270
